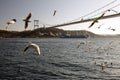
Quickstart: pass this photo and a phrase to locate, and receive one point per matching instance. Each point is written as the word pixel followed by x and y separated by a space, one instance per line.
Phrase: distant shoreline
pixel 50 33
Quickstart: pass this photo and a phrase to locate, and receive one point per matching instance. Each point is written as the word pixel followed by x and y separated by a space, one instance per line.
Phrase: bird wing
pixel 29 16
pixel 54 13
pixel 8 23
pixel 78 46
pixel 101 16
pixel 92 24
pixel 36 47
pixel 26 48
pixel 14 20
pixel 26 24
pixel 109 28
pixel 113 29
pixel 38 50
pixel 96 20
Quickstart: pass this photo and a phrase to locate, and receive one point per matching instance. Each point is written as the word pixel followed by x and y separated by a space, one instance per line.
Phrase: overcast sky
pixel 67 11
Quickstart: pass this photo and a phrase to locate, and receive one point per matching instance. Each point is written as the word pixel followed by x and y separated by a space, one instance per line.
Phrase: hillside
pixel 46 33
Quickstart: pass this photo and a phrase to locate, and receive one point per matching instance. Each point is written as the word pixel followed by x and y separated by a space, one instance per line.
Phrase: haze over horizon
pixel 66 11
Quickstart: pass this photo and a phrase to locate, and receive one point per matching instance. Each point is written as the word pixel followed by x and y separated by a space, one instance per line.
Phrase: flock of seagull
pixel 101 16
pixel 13 21
pixel 26 20
pixel 35 46
pixel 102 49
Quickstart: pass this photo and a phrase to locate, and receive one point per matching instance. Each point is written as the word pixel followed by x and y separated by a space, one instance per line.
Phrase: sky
pixel 67 11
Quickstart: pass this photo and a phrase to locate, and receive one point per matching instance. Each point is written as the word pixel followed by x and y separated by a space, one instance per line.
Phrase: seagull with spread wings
pixel 96 20
pixel 35 46
pixel 27 19
pixel 12 21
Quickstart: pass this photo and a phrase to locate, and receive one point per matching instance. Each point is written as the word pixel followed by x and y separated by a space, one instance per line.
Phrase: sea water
pixel 60 59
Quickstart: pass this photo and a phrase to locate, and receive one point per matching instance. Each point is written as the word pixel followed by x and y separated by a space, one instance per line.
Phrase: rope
pixel 95 10
pixel 111 9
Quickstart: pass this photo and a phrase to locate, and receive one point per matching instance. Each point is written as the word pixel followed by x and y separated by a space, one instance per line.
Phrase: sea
pixel 60 59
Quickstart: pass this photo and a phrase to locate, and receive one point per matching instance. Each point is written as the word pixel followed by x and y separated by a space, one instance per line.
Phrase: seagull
pixel 27 20
pixel 54 12
pixel 33 45
pixel 102 65
pixel 96 20
pixel 81 43
pixel 113 10
pixel 111 29
pixel 12 21
pixel 100 26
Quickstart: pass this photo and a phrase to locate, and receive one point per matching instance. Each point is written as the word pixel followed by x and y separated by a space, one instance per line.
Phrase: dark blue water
pixel 60 59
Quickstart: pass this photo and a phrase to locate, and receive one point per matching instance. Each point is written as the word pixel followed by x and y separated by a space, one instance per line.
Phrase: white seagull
pixel 35 46
pixel 81 43
pixel 12 21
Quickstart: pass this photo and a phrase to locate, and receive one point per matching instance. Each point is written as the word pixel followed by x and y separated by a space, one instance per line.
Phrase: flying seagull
pixel 27 20
pixel 54 12
pixel 35 46
pixel 113 10
pixel 111 29
pixel 100 26
pixel 96 20
pixel 12 21
pixel 81 43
